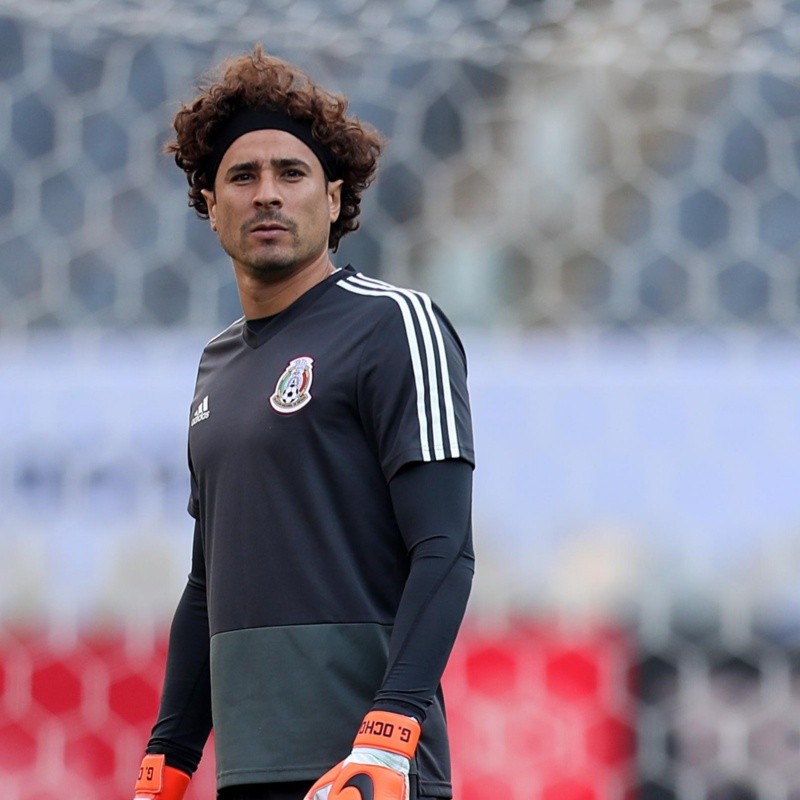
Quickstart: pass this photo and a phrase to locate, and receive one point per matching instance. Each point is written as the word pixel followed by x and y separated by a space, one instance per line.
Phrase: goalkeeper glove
pixel 157 781
pixel 379 763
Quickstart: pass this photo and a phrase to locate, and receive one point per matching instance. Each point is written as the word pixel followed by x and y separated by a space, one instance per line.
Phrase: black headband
pixel 256 119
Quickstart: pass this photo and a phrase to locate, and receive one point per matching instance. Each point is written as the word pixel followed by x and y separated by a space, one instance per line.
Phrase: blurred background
pixel 604 196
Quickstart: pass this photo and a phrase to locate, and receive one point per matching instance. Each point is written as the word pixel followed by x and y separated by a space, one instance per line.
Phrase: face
pixel 271 206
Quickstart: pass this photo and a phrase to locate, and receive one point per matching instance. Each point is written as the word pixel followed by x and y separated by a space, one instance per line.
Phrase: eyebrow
pixel 276 163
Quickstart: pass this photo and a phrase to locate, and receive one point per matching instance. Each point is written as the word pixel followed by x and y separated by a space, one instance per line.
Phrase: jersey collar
pixel 262 334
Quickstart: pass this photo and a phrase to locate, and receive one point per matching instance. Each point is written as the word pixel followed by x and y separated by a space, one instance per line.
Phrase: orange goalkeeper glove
pixel 157 781
pixel 378 766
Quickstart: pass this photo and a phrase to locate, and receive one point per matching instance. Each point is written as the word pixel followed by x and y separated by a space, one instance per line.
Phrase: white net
pixel 615 163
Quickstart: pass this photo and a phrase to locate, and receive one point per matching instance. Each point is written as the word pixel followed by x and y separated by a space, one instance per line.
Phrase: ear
pixel 335 198
pixel 211 204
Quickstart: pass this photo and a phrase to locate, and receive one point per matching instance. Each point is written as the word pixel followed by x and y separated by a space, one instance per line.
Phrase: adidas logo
pixel 201 412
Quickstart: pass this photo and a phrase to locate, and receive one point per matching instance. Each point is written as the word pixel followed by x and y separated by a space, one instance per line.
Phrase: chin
pixel 272 268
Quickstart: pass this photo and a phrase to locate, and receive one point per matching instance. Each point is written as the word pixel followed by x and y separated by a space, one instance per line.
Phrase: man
pixel 331 460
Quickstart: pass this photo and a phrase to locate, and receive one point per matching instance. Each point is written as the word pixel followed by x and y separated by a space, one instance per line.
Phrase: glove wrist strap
pixel 157 780
pixel 388 731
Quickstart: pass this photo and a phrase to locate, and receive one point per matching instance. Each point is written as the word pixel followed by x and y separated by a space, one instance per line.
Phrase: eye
pixel 293 174
pixel 241 177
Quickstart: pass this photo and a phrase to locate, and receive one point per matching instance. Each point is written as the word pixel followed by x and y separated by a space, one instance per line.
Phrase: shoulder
pixel 232 332
pixel 220 346
pixel 385 300
pixel 401 315
pixel 363 285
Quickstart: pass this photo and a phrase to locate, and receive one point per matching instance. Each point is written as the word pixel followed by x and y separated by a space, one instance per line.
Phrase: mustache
pixel 270 216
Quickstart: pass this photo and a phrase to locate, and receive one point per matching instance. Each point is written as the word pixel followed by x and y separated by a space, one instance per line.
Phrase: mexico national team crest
pixel 293 389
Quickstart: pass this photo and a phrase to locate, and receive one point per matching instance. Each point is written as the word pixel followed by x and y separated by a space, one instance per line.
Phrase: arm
pixel 414 405
pixel 432 502
pixel 184 718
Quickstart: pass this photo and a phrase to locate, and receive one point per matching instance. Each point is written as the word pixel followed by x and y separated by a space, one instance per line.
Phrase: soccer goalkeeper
pixel 330 453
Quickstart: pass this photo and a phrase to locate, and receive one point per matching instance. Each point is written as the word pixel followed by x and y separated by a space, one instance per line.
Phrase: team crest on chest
pixel 293 389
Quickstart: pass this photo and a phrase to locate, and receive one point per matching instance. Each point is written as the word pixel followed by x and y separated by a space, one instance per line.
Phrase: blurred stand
pixel 603 196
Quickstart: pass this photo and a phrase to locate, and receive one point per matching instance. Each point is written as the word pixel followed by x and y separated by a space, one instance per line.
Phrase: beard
pixel 271 262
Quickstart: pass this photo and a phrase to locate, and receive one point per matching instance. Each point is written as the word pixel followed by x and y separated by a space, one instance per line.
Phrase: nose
pixel 267 193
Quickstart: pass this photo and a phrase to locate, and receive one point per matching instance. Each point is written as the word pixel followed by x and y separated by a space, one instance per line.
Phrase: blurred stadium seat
pixel 603 194
pixel 548 702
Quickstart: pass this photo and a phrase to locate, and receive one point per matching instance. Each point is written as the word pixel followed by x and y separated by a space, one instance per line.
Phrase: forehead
pixel 265 145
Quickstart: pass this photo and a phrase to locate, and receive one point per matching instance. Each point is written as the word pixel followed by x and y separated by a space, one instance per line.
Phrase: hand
pixel 378 766
pixel 157 781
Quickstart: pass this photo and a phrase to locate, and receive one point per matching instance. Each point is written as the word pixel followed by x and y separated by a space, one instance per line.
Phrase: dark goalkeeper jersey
pixel 296 430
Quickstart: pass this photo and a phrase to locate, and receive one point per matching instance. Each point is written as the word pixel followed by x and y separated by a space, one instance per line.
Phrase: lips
pixel 267 227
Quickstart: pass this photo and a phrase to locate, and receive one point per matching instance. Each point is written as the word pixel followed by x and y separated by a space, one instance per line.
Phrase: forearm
pixel 184 718
pixel 433 506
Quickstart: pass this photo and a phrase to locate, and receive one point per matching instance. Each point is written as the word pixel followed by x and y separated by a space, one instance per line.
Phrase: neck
pixel 263 299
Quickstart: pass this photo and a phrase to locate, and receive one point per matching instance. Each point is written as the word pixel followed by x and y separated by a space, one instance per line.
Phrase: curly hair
pixel 258 80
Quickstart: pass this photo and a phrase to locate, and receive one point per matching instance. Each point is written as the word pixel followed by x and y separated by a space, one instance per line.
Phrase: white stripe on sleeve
pixel 433 380
pixel 416 362
pixel 446 386
pixel 429 327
